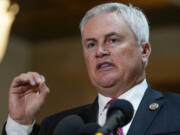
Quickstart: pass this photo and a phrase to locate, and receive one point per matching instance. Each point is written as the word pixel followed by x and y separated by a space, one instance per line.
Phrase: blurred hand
pixel 27 94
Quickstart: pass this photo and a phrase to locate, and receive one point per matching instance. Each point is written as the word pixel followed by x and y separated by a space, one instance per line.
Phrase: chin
pixel 105 83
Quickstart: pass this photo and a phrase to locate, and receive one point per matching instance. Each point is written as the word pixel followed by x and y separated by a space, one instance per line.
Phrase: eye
pixel 90 45
pixel 112 40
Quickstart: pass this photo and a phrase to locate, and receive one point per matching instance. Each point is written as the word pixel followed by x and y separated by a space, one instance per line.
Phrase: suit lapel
pixel 144 115
pixel 90 112
pixel 93 111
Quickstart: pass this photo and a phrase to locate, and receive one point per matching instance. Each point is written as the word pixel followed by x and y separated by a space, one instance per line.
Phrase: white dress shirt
pixel 133 95
pixel 14 128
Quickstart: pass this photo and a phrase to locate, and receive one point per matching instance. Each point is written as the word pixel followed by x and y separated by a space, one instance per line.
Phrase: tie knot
pixel 110 102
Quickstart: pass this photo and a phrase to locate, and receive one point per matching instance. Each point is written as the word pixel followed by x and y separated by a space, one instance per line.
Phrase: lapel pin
pixel 153 106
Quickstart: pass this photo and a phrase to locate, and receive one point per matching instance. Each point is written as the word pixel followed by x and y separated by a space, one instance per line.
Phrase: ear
pixel 145 52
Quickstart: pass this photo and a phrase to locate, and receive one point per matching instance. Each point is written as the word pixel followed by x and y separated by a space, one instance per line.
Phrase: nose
pixel 102 51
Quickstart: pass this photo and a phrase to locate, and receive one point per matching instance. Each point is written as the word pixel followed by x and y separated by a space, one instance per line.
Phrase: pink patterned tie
pixel 119 130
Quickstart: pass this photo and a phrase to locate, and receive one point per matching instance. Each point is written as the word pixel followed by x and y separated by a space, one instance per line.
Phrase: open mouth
pixel 104 66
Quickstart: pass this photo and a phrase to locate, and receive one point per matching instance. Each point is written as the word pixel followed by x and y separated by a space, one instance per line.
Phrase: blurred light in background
pixel 7 16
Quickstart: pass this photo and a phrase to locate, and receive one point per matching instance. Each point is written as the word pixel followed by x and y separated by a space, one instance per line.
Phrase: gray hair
pixel 135 18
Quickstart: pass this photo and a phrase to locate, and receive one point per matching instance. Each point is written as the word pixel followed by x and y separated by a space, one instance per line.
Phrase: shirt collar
pixel 133 95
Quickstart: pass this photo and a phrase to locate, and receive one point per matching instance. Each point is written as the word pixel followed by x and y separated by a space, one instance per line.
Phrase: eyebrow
pixel 111 34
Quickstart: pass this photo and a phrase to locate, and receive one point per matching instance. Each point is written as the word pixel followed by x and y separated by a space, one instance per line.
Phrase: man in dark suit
pixel 116 47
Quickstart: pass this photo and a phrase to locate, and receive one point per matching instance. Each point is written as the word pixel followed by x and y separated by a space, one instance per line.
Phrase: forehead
pixel 105 23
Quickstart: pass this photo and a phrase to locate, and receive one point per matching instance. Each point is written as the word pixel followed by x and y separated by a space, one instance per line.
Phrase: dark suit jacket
pixel 165 120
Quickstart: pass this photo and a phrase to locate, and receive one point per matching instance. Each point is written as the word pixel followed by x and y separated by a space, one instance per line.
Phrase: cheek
pixel 88 60
pixel 128 56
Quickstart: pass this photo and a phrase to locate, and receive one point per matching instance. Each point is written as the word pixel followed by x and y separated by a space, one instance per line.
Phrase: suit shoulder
pixel 172 97
pixel 172 102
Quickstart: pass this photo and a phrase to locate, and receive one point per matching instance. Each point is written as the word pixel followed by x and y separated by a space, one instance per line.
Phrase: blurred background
pixel 45 38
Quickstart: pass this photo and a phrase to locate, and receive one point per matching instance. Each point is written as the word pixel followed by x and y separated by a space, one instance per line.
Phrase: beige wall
pixel 16 60
pixel 61 62
pixel 164 66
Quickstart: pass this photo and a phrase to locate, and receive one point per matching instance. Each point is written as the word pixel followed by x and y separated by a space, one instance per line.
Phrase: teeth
pixel 104 65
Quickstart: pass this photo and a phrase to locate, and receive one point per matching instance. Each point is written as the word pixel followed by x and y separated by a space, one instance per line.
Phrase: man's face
pixel 112 55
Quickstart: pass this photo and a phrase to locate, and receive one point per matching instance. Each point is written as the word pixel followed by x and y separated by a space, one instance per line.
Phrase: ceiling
pixel 47 19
